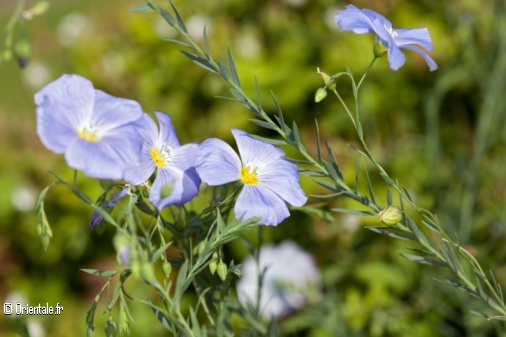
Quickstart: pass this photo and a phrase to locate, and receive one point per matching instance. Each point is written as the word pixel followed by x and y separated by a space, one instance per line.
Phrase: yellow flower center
pixel 249 176
pixel 88 133
pixel 161 155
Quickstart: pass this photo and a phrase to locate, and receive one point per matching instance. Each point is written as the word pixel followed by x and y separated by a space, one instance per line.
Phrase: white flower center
pixel 390 31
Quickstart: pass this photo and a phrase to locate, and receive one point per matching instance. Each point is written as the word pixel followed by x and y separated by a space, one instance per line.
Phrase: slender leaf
pixel 233 70
pixel 353 211
pixel 263 124
pixel 422 260
pixel 318 141
pixel 179 18
pixel 184 44
pixel 311 173
pixel 141 8
pixel 388 232
pixel 200 61
pixel 281 120
pixel 106 273
pixel 276 142
pixel 224 70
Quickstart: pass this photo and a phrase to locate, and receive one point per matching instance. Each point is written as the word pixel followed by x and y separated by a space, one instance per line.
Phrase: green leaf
pixel 276 142
pixel 281 120
pixel 297 136
pixel 330 186
pixel 388 232
pixel 180 283
pixel 233 70
pixel 369 185
pixel 263 124
pixel 179 18
pixel 389 197
pixel 141 8
pixel 299 162
pixel 318 141
pixel 206 43
pixel 259 96
pixel 106 273
pixel 422 260
pixel 200 61
pixel 353 211
pixel 158 253
pixel 386 178
pixel 184 44
pixel 224 71
pixel 160 315
pixel 431 226
pixel 311 173
pixel 42 195
pixel 334 161
pixel 414 228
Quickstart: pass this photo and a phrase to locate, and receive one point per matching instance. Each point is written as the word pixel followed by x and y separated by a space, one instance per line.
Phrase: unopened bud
pixel 320 95
pixel 212 266
pixel 166 268
pixel 222 270
pixel 45 239
pixel 328 80
pixel 390 216
pixel 202 246
pixel 22 50
pixel 90 332
pixel 110 328
pixel 147 271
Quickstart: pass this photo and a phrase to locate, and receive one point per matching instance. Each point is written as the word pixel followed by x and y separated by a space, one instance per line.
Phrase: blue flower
pixel 366 21
pixel 92 128
pixel 176 172
pixel 269 180
pixel 96 218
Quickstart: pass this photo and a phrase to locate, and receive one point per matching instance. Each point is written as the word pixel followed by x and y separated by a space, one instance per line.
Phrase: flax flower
pixel 366 21
pixel 269 180
pixel 92 128
pixel 291 279
pixel 175 164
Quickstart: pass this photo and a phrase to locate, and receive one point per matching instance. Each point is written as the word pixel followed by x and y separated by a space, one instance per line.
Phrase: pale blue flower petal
pixel 282 179
pixel 396 58
pixel 418 36
pixel 254 152
pixel 217 163
pixel 148 132
pixel 354 19
pixel 110 112
pixel 256 201
pixel 62 106
pixel 180 175
pixel 105 159
pixel 430 62
pixel 167 132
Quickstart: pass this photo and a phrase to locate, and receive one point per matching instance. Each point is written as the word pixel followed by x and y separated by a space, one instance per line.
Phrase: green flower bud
pixel 202 246
pixel 22 50
pixel 320 95
pixel 90 332
pixel 390 216
pixel 212 266
pixel 379 49
pixel 222 270
pixel 44 241
pixel 329 81
pixel 166 268
pixel 7 55
pixel 147 271
pixel 110 328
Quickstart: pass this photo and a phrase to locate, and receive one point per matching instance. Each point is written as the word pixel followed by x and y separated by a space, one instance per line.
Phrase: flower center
pixel 161 155
pixel 88 133
pixel 390 31
pixel 249 175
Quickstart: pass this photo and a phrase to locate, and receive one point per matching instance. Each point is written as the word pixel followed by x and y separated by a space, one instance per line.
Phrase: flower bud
pixel 379 49
pixel 212 266
pixel 110 328
pixel 90 332
pixel 202 246
pixel 166 268
pixel 320 95
pixel 147 271
pixel 222 270
pixel 22 50
pixel 390 216
pixel 45 239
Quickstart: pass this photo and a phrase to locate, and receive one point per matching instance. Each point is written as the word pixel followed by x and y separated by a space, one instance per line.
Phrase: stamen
pixel 390 31
pixel 249 175
pixel 161 155
pixel 88 133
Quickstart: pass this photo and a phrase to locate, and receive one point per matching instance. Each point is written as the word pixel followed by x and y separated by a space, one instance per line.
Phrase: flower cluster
pixel 112 138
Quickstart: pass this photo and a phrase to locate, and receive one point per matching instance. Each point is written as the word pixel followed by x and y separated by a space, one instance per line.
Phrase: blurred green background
pixel 442 134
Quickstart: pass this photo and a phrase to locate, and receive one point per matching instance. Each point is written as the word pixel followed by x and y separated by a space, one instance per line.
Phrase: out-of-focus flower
pixel 291 279
pixel 177 181
pixel 92 128
pixel 73 27
pixel 269 180
pixel 96 218
pixel 388 39
pixel 23 198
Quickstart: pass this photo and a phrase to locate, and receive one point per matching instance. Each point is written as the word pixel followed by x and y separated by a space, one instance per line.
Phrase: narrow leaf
pixel 200 61
pixel 353 211
pixel 233 70
pixel 141 8
pixel 263 124
pixel 388 232
pixel 184 44
pixel 318 141
pixel 106 273
pixel 224 70
pixel 422 260
pixel 276 142
pixel 179 18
